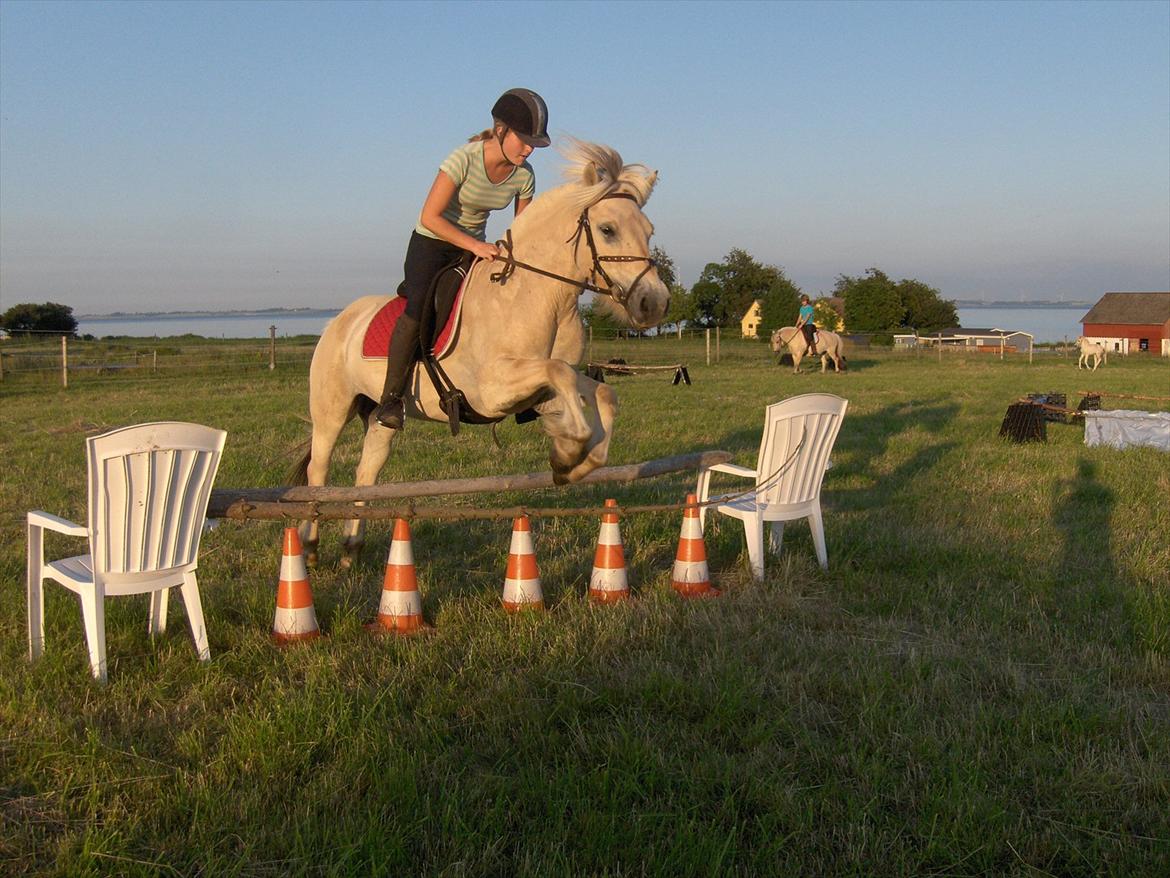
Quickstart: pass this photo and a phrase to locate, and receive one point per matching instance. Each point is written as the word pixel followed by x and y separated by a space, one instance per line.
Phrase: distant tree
pixel 682 307
pixel 725 290
pixel 47 317
pixel 924 307
pixel 872 302
pixel 598 319
pixel 665 265
pixel 826 316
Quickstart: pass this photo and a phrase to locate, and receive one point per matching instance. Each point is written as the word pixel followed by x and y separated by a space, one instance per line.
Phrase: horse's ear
pixel 593 173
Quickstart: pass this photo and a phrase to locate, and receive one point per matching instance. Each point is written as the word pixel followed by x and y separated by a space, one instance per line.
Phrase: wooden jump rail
pixel 679 370
pixel 333 503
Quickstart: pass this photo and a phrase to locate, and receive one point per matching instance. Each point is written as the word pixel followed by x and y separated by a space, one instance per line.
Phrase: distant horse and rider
pixel 830 345
pixel 1091 350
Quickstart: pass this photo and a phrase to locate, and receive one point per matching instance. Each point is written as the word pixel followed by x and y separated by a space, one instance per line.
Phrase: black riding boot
pixel 391 412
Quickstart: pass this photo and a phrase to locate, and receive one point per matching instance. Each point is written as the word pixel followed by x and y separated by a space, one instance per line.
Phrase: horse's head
pixel 611 245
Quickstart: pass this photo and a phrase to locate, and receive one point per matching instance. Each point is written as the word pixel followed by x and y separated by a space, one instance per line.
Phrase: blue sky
pixel 156 156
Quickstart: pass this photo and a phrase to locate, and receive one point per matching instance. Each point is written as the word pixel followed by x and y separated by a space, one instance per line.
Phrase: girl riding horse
pixel 489 172
pixel 806 325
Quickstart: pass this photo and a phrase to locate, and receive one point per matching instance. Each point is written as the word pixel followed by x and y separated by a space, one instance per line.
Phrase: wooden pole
pixel 64 361
pixel 300 501
pixel 271 348
pixel 716 344
pixel 154 361
pixel 708 347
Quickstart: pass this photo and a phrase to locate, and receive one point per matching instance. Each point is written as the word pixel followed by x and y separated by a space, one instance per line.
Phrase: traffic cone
pixel 401 609
pixel 691 578
pixel 608 583
pixel 522 580
pixel 295 618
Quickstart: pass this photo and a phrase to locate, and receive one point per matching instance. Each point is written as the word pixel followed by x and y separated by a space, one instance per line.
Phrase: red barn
pixel 1130 322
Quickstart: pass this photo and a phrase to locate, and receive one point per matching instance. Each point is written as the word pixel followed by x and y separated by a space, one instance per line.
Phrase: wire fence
pixel 40 360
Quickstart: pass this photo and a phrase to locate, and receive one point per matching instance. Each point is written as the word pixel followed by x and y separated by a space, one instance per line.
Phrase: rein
pixel 616 291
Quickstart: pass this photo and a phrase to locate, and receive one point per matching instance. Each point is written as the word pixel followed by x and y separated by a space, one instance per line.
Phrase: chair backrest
pixel 148 490
pixel 799 433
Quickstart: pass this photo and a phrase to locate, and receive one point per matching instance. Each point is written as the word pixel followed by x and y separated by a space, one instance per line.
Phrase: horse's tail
pixel 299 473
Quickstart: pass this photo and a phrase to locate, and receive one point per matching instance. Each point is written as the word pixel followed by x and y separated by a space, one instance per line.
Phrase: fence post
pixel 589 353
pixel 716 344
pixel 154 361
pixel 64 361
pixel 708 346
pixel 679 333
pixel 271 347
pixel 1 365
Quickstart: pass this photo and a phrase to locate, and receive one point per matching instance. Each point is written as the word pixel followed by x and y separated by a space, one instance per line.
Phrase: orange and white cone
pixel 690 578
pixel 400 611
pixel 295 618
pixel 522 580
pixel 609 583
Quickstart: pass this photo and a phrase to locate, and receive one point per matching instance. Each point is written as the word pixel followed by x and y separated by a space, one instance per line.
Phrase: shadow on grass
pixel 1090 587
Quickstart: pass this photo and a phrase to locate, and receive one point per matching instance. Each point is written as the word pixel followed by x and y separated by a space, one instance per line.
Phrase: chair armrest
pixel 36 518
pixel 733 469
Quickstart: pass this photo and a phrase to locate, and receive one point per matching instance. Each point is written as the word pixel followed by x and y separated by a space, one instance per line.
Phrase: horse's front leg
pixel 563 416
pixel 601 401
pixel 375 450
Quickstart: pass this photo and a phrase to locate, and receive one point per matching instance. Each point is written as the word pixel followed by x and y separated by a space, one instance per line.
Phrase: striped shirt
pixel 475 195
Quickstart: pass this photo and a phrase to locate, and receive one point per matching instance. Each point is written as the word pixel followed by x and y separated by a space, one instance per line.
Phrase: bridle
pixel 616 291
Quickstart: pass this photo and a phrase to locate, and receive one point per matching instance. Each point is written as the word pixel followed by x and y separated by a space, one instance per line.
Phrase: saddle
pixel 440 314
pixel 438 331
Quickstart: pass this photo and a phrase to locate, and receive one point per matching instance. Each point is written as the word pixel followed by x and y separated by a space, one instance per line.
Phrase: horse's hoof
pixel 310 550
pixel 350 555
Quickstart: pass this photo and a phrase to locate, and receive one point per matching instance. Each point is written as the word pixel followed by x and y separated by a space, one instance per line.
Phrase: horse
pixel 829 343
pixel 1091 349
pixel 520 334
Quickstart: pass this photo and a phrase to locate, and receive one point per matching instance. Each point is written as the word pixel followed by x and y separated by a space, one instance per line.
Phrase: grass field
pixel 980 684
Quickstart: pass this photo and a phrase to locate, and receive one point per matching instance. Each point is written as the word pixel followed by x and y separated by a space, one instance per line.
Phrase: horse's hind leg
pixel 328 422
pixel 375 451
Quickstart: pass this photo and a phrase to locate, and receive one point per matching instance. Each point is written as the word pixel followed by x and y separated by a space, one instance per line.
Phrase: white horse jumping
pixel 520 333
pixel 1094 350
pixel 828 343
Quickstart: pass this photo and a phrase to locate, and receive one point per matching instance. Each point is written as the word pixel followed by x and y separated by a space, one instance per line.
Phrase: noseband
pixel 616 291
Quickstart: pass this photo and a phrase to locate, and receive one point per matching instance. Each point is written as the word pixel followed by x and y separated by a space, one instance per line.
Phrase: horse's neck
pixel 529 310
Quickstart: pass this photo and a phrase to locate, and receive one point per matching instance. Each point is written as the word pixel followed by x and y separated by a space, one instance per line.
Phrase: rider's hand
pixel 485 250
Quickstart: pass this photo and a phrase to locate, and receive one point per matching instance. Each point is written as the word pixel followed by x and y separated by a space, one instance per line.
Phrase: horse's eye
pixel 608 229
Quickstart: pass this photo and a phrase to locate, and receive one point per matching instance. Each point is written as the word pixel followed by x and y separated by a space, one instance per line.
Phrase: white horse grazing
pixel 1091 349
pixel 520 333
pixel 829 345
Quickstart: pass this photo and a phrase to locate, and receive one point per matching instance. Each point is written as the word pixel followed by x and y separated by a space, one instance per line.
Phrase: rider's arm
pixel 521 203
pixel 442 191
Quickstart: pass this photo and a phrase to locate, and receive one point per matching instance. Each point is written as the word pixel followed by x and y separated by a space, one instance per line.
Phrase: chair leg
pixel 93 612
pixel 754 531
pixel 158 611
pixel 35 592
pixel 817 526
pixel 776 537
pixel 190 590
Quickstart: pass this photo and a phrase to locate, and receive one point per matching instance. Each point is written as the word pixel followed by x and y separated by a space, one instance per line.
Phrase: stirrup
pixel 391 413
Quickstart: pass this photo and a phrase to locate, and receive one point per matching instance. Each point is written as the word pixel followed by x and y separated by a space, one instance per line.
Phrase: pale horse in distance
pixel 829 347
pixel 1094 350
pixel 520 336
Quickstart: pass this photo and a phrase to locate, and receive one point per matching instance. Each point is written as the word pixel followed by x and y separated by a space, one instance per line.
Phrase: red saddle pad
pixel 376 342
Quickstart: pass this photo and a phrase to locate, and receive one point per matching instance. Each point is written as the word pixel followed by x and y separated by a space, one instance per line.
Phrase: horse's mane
pixel 596 170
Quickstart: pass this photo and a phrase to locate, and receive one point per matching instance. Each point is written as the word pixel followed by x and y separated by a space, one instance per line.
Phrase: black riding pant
pixel 424 257
pixel 809 329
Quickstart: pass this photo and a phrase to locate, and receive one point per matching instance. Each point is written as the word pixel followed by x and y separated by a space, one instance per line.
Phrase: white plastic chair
pixel 799 434
pixel 148 490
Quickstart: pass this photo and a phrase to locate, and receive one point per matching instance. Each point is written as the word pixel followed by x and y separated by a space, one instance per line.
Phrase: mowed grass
pixel 978 685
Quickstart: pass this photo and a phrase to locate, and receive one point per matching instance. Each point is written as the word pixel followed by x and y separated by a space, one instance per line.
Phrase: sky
pixel 169 156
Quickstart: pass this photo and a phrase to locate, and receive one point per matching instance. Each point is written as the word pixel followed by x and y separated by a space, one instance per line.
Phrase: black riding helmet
pixel 524 112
